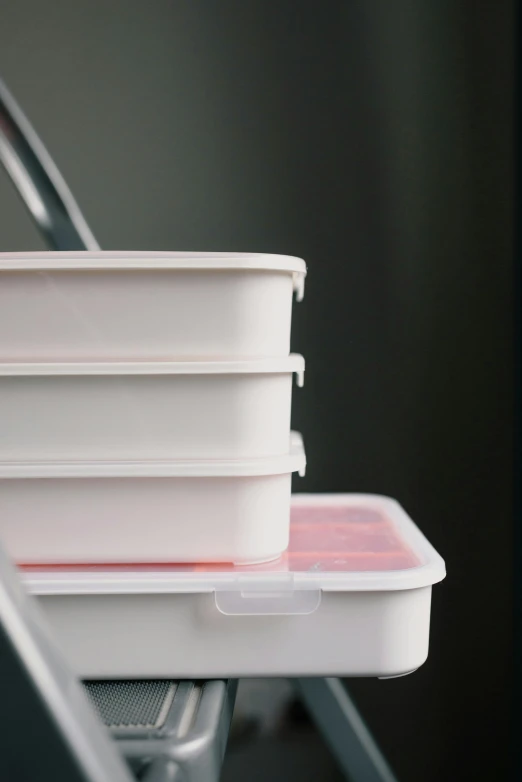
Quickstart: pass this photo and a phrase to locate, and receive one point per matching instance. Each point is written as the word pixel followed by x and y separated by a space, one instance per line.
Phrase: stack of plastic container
pixel 146 460
pixel 145 404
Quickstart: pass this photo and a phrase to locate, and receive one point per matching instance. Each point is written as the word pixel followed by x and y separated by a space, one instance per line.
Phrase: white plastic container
pixel 138 306
pixel 192 511
pixel 143 411
pixel 350 597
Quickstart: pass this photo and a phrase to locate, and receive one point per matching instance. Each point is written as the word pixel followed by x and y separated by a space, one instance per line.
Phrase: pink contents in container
pixel 324 537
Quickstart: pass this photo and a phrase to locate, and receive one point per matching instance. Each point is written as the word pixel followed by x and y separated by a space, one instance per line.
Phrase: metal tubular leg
pixel 163 770
pixel 343 729
pixel 39 182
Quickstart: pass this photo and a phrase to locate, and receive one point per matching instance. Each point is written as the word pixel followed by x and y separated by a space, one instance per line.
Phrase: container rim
pixel 156 260
pixel 294 363
pixel 293 461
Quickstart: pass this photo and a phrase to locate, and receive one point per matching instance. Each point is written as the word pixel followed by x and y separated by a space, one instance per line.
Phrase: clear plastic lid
pixel 338 543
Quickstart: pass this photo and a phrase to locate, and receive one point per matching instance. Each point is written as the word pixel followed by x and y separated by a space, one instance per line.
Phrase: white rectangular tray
pixel 184 511
pixel 146 410
pixel 130 306
pixel 350 597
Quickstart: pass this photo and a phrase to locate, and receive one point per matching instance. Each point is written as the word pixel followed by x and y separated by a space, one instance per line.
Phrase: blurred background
pixel 373 139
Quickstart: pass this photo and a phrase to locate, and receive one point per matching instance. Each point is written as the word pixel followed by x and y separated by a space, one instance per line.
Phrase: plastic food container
pixel 187 511
pixel 128 306
pixel 350 597
pixel 142 411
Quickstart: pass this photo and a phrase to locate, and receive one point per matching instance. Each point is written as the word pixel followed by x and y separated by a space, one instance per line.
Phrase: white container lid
pixel 338 543
pixel 292 363
pixel 109 260
pixel 294 461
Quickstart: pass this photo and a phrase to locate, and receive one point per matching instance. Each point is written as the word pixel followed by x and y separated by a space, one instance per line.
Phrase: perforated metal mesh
pixel 132 704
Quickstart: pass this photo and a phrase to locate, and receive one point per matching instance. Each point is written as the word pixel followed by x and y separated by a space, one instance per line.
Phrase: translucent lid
pixel 287 364
pixel 342 543
pixel 293 461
